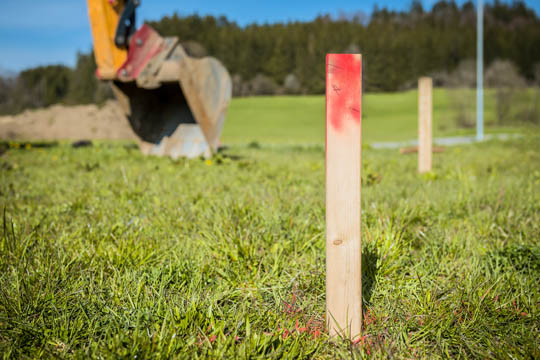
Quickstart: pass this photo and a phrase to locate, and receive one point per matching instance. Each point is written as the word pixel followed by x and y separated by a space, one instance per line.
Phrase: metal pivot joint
pixel 127 24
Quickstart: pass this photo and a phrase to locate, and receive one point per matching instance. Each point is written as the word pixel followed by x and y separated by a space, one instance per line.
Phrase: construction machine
pixel 175 104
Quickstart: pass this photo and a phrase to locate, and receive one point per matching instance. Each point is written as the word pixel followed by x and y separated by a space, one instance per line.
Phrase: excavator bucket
pixel 175 104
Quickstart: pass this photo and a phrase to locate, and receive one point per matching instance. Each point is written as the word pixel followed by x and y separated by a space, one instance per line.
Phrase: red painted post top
pixel 343 97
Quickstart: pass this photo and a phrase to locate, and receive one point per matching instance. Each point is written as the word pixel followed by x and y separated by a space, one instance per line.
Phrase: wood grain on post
pixel 425 111
pixel 343 184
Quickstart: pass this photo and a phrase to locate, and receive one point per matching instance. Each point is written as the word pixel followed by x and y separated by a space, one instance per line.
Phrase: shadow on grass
pixel 222 152
pixel 25 145
pixel 520 258
pixel 369 273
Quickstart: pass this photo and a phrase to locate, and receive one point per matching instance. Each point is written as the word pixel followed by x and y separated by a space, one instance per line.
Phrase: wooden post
pixel 343 184
pixel 425 110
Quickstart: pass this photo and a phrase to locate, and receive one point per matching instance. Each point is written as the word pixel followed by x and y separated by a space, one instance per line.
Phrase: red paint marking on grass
pixel 313 326
pixel 366 345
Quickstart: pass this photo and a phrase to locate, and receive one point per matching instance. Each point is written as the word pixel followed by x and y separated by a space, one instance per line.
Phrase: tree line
pixel 397 47
pixel 47 85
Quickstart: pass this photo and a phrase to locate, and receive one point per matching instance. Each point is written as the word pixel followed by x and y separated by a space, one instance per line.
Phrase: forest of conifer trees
pixel 288 58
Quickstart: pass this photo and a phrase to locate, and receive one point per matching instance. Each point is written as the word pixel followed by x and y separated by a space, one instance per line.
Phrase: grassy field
pixel 386 117
pixel 105 253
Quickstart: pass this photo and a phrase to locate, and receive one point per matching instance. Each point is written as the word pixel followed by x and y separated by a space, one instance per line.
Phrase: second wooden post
pixel 425 110
pixel 343 184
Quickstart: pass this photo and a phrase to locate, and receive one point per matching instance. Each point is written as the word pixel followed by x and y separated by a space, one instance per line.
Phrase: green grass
pixel 105 253
pixel 386 117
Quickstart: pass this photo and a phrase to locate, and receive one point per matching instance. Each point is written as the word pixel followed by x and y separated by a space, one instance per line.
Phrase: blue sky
pixel 39 32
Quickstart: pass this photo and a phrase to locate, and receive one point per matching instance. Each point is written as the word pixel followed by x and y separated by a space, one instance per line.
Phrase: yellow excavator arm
pixel 104 17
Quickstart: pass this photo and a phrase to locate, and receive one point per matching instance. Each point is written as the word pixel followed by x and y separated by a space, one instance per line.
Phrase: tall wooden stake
pixel 425 110
pixel 343 184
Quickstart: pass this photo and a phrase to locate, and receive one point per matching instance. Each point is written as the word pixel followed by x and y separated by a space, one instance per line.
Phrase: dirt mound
pixel 61 122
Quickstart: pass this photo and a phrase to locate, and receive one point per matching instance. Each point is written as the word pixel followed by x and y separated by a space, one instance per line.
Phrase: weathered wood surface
pixel 425 111
pixel 343 185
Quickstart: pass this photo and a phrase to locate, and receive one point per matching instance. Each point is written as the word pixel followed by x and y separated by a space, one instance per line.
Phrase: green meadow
pixel 386 117
pixel 106 253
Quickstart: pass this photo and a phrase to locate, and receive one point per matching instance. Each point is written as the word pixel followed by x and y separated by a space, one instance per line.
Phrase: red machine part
pixel 144 45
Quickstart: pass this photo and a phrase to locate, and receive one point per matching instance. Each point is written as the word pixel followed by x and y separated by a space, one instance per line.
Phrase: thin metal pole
pixel 480 71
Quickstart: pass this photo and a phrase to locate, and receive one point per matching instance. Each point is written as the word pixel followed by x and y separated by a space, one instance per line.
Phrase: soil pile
pixel 60 122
